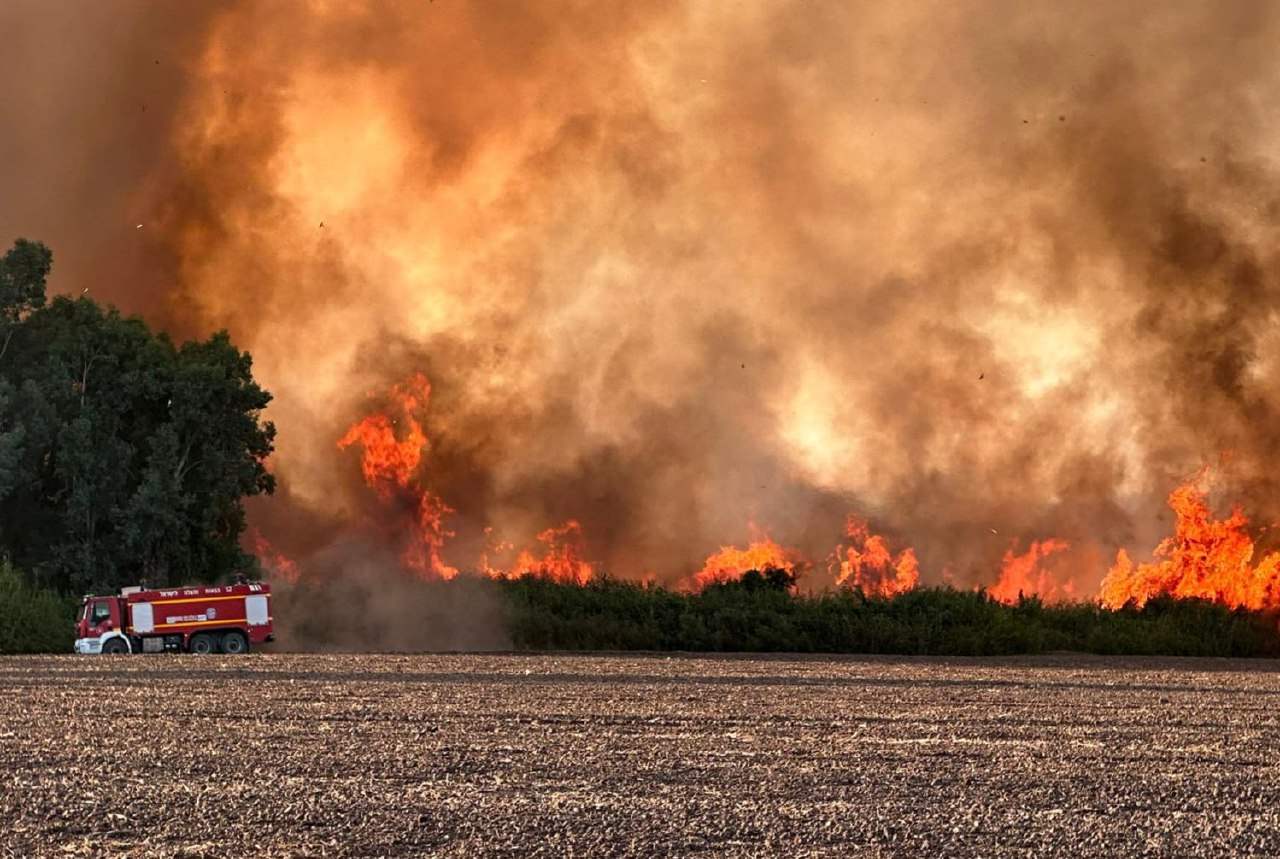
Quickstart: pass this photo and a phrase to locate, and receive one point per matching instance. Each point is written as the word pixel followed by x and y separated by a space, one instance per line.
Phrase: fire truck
pixel 227 619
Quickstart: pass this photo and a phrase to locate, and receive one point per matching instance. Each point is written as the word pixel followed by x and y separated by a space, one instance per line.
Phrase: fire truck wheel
pixel 201 643
pixel 115 646
pixel 234 643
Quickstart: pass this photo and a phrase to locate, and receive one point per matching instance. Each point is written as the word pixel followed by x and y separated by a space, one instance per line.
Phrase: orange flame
pixel 386 460
pixel 390 465
pixel 562 558
pixel 276 564
pixel 1022 575
pixel 426 542
pixel 868 564
pixel 730 563
pixel 1206 558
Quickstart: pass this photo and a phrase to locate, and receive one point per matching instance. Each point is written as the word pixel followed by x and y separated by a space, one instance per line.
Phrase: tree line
pixel 124 458
pixel 761 613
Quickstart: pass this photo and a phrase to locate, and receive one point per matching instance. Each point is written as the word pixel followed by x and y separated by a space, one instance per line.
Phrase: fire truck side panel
pixel 187 611
pixel 142 618
pixel 189 615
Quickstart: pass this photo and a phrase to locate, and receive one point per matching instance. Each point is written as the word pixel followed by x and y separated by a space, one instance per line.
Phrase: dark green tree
pixel 122 457
pixel 11 438
pixel 23 271
pixel 22 289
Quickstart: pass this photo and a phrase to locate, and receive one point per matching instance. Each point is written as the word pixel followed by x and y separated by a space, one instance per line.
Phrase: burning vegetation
pixel 730 563
pixel 867 564
pixel 1023 575
pixel 560 559
pixel 1206 558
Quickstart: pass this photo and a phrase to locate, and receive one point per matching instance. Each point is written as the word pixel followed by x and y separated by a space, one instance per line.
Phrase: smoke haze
pixel 355 597
pixel 981 274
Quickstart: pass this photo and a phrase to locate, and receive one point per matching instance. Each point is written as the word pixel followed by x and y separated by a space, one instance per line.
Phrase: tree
pixel 22 289
pixel 11 442
pixel 122 457
pixel 22 285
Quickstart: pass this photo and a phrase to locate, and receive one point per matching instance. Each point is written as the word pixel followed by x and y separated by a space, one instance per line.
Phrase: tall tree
pixel 23 271
pixel 122 457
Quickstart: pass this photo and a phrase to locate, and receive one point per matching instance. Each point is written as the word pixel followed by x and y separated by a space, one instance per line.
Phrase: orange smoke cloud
pixel 664 277
pixel 674 266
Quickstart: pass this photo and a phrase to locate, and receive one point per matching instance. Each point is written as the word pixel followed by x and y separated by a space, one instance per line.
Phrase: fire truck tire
pixel 234 643
pixel 201 643
pixel 115 646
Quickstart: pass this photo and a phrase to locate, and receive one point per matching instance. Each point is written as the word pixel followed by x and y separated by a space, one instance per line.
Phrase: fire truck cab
pixel 228 619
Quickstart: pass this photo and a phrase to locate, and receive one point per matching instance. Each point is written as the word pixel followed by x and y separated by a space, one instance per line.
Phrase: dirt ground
pixel 306 755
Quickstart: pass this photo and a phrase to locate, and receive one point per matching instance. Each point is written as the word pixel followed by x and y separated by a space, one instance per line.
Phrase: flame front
pixel 393 467
pixel 428 538
pixel 866 563
pixel 730 563
pixel 562 558
pixel 1206 558
pixel 1023 575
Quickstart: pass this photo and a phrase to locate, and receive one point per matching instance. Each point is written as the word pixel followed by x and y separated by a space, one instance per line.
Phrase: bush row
pixel 761 614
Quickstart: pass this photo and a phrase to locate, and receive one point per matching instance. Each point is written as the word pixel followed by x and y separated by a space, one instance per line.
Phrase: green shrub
pixel 33 620
pixel 763 613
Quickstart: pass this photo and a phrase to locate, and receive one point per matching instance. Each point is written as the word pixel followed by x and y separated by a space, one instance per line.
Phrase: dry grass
pixel 552 755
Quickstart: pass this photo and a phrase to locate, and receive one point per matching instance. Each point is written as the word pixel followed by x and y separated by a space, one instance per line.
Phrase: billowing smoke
pixel 980 275
pixel 355 597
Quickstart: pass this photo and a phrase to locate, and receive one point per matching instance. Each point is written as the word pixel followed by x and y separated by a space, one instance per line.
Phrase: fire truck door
pixel 103 617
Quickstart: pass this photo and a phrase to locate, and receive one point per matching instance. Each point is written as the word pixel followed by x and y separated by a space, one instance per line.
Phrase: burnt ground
pixel 296 755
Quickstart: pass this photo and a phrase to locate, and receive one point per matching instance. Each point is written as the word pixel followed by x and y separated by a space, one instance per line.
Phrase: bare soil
pixel 525 755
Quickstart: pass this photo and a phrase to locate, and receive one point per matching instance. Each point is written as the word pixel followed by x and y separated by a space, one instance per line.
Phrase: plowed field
pixel 297 755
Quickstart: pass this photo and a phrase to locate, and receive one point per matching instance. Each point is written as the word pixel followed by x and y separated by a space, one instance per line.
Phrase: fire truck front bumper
pixel 88 645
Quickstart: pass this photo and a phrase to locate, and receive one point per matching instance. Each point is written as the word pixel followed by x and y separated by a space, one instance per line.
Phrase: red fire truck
pixel 226 619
